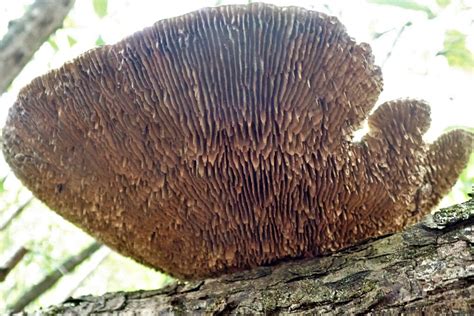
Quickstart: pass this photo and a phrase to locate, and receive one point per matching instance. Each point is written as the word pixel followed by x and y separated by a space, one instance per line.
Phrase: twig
pixel 395 41
pixel 12 262
pixel 37 290
pixel 101 256
pixel 15 214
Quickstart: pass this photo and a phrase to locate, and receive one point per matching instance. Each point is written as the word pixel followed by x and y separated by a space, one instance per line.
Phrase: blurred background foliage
pixel 424 47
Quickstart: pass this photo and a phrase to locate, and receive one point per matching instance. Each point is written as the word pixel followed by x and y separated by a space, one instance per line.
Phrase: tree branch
pixel 26 34
pixel 37 290
pixel 428 268
pixel 395 41
pixel 14 214
pixel 90 269
pixel 12 262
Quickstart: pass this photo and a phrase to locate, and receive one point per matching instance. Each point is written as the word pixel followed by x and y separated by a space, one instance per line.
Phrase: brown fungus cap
pixel 222 140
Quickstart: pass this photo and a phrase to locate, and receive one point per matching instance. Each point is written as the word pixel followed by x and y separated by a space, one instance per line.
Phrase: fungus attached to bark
pixel 222 139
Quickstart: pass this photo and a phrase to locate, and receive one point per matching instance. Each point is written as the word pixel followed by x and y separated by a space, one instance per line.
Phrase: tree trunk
pixel 27 34
pixel 427 268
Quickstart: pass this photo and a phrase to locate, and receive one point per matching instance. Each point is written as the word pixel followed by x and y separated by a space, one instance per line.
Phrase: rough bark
pixel 427 268
pixel 26 34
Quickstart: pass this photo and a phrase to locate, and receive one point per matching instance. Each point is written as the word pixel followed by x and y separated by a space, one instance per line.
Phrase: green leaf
pixel 69 23
pixel 100 7
pixel 71 40
pixel 455 50
pixel 2 186
pixel 99 41
pixel 443 3
pixel 406 4
pixel 53 44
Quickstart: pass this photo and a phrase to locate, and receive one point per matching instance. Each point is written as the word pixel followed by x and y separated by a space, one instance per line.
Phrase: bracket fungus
pixel 221 140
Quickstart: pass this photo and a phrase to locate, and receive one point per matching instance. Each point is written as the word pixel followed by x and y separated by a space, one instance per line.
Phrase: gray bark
pixel 26 34
pixel 428 268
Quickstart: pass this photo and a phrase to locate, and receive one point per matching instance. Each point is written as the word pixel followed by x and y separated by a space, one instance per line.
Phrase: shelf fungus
pixel 222 140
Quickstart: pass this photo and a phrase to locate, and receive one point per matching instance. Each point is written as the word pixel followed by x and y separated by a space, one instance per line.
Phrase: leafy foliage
pixel 406 4
pixel 443 3
pixel 455 50
pixel 2 185
pixel 100 41
pixel 53 44
pixel 100 7
pixel 71 40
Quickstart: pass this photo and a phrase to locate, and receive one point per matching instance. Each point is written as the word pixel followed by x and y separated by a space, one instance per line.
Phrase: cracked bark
pixel 26 34
pixel 427 268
